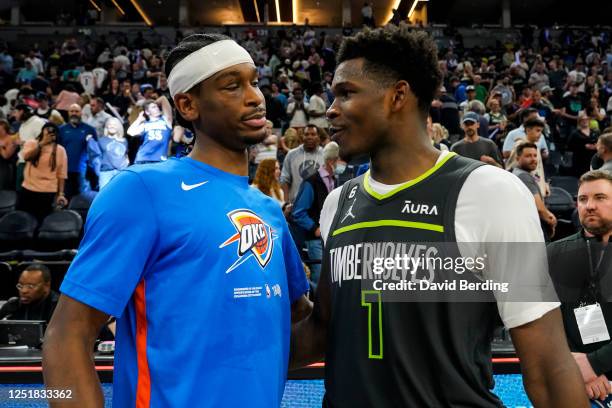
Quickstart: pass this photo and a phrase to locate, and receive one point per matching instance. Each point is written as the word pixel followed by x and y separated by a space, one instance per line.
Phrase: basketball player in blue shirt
pixel 154 125
pixel 198 267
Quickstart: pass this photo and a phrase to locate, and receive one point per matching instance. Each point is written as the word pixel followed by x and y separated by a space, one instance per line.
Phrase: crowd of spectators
pixel 73 115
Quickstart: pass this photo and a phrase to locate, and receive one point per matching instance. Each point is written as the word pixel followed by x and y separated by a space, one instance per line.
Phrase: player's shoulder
pixel 155 175
pixel 492 181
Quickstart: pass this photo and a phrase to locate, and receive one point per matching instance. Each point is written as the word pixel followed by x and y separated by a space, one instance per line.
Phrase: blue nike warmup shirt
pixel 201 270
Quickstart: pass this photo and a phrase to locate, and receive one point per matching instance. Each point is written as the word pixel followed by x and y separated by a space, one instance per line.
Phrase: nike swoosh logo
pixel 187 187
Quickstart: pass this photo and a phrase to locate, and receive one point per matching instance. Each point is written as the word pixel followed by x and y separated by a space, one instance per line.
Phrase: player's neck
pixel 403 159
pixel 222 158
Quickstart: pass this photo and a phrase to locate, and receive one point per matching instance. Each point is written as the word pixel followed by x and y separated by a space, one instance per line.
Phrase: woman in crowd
pixel 581 143
pixel 45 173
pixel 8 156
pixel 290 140
pixel 267 179
pixel 109 153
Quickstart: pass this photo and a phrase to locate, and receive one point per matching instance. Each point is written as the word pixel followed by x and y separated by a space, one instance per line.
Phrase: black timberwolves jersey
pixel 402 354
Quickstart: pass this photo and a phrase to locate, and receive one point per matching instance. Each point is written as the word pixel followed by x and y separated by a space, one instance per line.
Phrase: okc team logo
pixel 255 238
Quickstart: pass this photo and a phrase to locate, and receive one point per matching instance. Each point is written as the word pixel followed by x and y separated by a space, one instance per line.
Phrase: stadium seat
pixel 562 205
pixel 7 281
pixel 61 255
pixel 568 183
pixel 60 230
pixel 560 202
pixel 10 256
pixel 81 203
pixel 8 201
pixel 17 230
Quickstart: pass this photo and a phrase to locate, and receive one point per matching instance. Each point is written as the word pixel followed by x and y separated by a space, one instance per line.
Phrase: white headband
pixel 204 63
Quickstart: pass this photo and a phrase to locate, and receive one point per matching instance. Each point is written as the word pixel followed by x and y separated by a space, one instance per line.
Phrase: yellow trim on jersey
pixel 390 223
pixel 366 180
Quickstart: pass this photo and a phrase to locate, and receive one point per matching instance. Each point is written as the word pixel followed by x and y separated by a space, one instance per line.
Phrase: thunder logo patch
pixel 255 238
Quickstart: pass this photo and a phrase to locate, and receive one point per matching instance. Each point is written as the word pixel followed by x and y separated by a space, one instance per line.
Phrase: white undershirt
pixel 493 206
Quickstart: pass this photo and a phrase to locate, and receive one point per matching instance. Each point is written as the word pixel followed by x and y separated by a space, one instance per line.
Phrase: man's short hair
pixel 595 175
pixel 394 53
pixel 606 140
pixel 35 267
pixel 527 145
pixel 526 112
pixel 533 122
pixel 310 125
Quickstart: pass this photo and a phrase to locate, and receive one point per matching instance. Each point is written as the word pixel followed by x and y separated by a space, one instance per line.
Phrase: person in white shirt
pixel 88 80
pixel 30 128
pixel 95 116
pixel 297 109
pixel 317 108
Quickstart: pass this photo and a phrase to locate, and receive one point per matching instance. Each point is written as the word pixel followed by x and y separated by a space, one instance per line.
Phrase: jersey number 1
pixel 372 300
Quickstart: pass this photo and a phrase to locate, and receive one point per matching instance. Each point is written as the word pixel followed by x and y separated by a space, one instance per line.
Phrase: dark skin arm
pixel 550 374
pixel 300 309
pixel 68 362
pixel 309 337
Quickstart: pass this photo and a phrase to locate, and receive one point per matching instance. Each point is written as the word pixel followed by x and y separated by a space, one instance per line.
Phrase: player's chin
pixel 253 137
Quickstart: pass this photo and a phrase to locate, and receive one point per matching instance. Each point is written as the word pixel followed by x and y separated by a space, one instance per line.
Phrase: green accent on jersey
pixel 389 223
pixel 364 303
pixel 366 180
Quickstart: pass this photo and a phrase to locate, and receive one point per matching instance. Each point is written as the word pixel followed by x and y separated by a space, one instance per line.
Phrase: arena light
pixel 294 9
pixel 141 12
pixel 95 6
pixel 278 17
pixel 118 7
pixel 411 12
pixel 256 11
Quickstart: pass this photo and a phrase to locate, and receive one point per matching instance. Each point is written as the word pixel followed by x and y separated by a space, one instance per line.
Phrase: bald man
pixel 73 136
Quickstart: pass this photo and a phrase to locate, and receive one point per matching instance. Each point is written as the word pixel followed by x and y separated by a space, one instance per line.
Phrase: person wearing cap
pixel 29 129
pixel 470 92
pixel 547 94
pixel 309 202
pixel 474 146
pixel 198 267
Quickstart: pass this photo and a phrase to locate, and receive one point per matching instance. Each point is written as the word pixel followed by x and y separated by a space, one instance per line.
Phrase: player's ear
pixel 187 106
pixel 401 94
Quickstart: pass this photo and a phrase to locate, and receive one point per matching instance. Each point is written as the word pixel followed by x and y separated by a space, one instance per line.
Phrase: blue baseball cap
pixel 471 117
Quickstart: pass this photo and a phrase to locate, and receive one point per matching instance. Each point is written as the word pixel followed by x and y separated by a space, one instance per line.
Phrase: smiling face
pixel 228 107
pixel 358 114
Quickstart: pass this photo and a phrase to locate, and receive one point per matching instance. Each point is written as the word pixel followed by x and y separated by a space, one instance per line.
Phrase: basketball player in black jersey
pixel 418 354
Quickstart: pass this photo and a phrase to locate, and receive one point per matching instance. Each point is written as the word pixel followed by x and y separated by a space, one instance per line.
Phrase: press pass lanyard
pixel 589 316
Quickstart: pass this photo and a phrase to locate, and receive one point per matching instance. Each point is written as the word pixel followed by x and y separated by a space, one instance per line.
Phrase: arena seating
pixel 17 229
pixel 8 201
pixel 60 230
